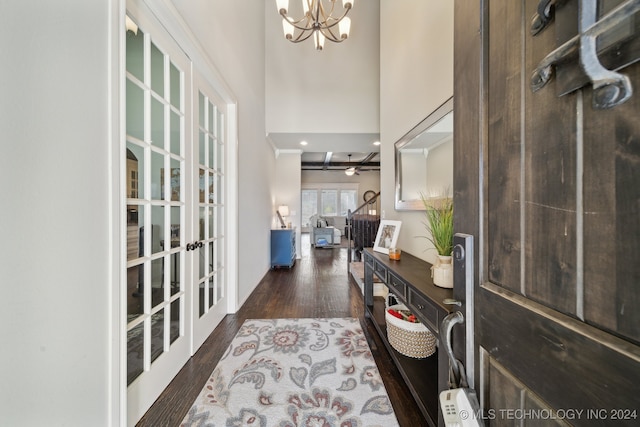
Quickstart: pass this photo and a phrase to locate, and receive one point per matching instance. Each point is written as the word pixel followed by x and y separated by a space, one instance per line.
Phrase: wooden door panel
pixel 549 190
pixel 511 401
pixel 612 219
pixel 504 156
pixel 567 363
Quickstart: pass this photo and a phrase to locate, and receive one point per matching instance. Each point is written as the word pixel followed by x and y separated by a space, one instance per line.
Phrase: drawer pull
pixel 420 307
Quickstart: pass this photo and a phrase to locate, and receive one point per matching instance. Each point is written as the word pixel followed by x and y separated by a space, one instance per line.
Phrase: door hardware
pixel 193 246
pixel 543 16
pixel 610 88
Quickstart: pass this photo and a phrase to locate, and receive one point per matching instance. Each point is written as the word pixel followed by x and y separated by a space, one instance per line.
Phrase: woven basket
pixel 411 339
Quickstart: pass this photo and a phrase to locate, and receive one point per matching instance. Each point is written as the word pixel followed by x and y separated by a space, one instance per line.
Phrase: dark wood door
pixel 550 188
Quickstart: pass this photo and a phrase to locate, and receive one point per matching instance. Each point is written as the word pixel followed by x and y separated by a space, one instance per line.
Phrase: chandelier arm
pixel 330 36
pixel 337 20
pixel 295 24
pixel 299 38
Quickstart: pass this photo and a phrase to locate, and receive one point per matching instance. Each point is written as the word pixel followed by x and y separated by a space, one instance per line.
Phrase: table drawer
pixel 425 309
pixel 397 286
pixel 380 270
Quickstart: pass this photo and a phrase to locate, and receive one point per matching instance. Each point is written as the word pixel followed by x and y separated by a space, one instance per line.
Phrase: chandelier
pixel 318 21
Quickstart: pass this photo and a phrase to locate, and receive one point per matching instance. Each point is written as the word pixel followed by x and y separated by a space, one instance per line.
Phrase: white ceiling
pixel 322 142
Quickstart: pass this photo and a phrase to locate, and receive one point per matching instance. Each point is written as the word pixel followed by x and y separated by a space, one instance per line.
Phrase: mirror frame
pixel 430 120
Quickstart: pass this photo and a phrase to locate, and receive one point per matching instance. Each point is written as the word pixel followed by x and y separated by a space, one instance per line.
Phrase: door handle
pixel 456 368
pixel 195 245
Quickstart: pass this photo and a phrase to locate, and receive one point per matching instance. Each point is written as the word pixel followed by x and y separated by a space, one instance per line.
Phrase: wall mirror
pixel 424 160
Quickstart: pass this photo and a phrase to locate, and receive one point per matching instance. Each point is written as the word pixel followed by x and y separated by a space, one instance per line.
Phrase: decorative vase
pixel 442 272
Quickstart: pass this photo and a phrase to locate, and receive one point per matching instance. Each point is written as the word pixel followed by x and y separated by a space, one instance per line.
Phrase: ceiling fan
pixel 351 170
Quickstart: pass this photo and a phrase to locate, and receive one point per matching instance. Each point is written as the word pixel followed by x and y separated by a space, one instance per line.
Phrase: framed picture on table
pixel 387 236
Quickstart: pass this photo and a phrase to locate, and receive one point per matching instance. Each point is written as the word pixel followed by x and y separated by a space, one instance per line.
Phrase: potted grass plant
pixel 439 225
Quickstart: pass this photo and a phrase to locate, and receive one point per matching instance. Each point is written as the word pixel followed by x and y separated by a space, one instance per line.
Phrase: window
pixel 328 200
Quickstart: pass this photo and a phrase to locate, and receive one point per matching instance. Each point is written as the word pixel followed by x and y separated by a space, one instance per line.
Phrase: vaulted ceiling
pixel 328 99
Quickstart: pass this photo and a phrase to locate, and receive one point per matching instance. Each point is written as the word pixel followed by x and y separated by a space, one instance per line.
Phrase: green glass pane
pixel 212 150
pixel 157 226
pixel 220 221
pixel 135 287
pixel 219 190
pixel 201 110
pixel 201 232
pixel 175 133
pixel 135 220
pixel 174 272
pixel 135 171
pixel 201 298
pixel 135 110
pixel 157 70
pixel 135 54
pixel 202 186
pixel 157 123
pixel 157 176
pixel 202 151
pixel 174 83
pixel 210 188
pixel 211 222
pixel 210 121
pixel 135 352
pixel 212 256
pixel 212 291
pixel 157 281
pixel 175 180
pixel 157 335
pixel 176 232
pixel 174 328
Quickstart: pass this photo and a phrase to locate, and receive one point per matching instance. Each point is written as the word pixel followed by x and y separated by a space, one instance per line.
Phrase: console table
pixel 409 279
pixel 283 247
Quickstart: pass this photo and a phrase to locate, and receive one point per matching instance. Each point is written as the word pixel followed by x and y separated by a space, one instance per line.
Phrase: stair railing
pixel 365 234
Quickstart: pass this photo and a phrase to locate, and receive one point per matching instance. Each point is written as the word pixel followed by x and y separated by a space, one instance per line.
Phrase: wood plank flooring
pixel 317 286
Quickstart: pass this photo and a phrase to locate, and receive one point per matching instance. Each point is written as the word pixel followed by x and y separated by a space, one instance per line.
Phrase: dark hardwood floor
pixel 317 286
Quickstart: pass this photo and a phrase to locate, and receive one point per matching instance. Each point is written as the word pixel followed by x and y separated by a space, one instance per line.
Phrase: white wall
pixel 232 33
pixel 336 90
pixel 55 257
pixel 416 76
pixel 286 191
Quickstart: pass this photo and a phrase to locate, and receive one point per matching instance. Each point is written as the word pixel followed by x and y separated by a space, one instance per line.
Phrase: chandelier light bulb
pixel 283 6
pixel 288 29
pixel 344 26
pixel 319 40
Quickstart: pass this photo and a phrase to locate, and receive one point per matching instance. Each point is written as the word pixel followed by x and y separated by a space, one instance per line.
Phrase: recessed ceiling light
pixel 303 142
pixel 376 143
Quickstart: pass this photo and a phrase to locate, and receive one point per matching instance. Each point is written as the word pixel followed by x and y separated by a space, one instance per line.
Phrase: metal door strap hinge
pixel 610 88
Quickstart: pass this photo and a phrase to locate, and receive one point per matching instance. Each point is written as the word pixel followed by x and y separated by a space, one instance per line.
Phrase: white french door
pixel 209 264
pixel 158 215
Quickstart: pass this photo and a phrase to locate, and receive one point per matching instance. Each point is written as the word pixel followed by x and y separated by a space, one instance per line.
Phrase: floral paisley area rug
pixel 294 373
